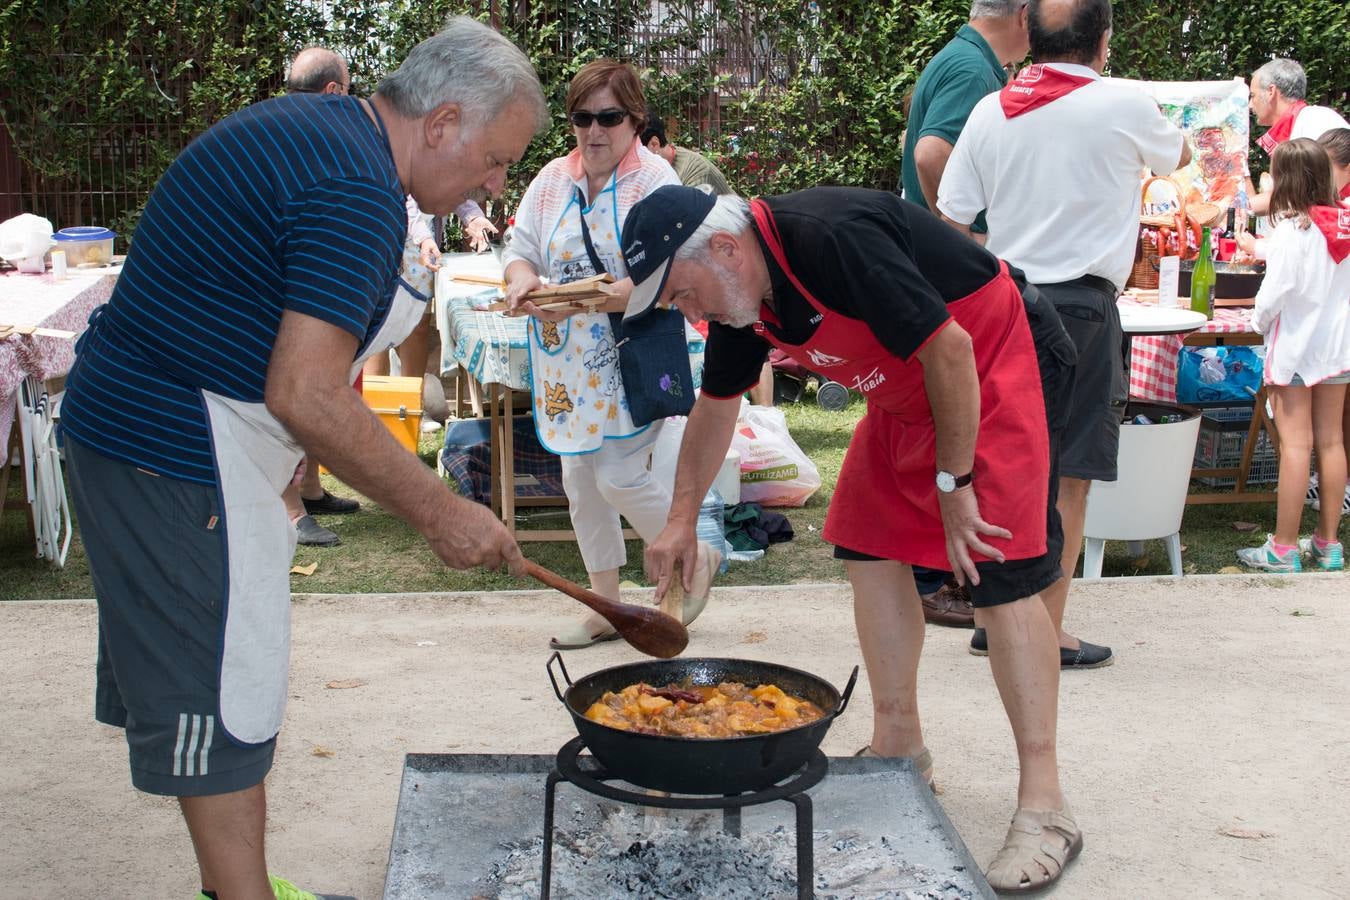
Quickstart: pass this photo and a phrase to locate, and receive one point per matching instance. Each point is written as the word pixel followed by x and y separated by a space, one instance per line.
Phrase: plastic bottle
pixel 1202 279
pixel 711 528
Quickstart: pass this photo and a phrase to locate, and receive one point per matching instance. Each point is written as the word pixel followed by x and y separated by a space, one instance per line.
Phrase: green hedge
pixel 99 96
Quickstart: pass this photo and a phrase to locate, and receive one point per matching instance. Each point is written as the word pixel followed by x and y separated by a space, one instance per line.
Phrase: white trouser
pixel 614 480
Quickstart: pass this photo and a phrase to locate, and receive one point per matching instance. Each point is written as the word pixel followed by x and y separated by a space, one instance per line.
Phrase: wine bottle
pixel 1202 279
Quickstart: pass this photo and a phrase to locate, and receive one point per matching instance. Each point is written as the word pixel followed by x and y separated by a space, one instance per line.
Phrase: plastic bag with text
pixel 774 470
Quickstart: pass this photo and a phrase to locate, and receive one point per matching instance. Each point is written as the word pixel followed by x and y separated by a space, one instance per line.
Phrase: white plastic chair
pixel 46 489
pixel 1148 497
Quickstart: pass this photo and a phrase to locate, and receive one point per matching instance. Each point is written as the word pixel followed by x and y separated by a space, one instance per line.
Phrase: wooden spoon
pixel 646 628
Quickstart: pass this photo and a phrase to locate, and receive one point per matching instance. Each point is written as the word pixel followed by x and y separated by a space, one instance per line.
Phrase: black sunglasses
pixel 607 118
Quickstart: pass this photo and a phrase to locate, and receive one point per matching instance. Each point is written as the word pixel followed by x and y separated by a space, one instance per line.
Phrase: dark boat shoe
pixel 1087 656
pixel 329 505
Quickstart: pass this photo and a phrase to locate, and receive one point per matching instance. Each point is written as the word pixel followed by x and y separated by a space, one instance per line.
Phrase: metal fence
pixel 702 53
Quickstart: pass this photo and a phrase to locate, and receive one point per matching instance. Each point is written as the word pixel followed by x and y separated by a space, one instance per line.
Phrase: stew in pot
pixel 726 710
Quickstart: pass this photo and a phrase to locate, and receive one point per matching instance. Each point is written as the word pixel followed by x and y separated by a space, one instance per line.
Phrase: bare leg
pixel 376 365
pixel 413 352
pixel 310 486
pixel 889 619
pixel 762 393
pixel 1025 661
pixel 1293 418
pixel 606 584
pixel 227 835
pixel 1072 506
pixel 295 507
pixel 1328 405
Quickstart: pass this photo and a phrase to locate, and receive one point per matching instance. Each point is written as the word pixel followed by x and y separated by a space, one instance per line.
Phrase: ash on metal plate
pixel 635 855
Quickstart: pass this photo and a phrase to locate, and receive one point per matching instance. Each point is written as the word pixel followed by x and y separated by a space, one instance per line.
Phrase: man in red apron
pixel 951 467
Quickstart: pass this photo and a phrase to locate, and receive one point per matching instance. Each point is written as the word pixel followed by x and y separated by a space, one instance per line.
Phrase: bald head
pixel 317 70
pixel 1068 30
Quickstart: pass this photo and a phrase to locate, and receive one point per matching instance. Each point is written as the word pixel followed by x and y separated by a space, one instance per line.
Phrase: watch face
pixel 946 482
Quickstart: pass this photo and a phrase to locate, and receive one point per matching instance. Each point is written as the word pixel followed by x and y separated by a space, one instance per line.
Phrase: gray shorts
pixel 1087 307
pixel 156 549
pixel 1297 380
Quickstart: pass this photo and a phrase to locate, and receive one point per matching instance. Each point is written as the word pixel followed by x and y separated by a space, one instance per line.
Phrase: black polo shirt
pixel 864 254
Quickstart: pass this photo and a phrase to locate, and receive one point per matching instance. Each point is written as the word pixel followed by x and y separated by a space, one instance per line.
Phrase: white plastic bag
pixel 24 240
pixel 774 470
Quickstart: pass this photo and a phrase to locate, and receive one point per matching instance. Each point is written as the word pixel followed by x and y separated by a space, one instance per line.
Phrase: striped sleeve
pixel 342 238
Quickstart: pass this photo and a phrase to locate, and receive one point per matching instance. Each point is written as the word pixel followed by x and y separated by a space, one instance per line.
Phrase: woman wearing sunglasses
pixel 567 228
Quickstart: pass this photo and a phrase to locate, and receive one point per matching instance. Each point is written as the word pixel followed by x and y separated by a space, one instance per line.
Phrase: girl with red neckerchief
pixel 1303 309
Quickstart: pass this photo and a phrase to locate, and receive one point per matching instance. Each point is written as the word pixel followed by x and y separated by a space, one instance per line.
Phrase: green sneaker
pixel 1330 558
pixel 1265 557
pixel 284 890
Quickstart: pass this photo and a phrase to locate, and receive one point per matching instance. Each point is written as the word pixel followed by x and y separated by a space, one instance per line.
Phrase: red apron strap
pixel 768 229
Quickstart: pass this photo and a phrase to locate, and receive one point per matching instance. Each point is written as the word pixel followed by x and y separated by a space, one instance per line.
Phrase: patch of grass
pixel 380 553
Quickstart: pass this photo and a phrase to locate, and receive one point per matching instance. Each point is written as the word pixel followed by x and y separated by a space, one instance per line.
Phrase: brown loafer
pixel 949 606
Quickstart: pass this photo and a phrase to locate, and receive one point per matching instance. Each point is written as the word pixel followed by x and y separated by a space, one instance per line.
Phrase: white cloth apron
pixel 574 367
pixel 255 460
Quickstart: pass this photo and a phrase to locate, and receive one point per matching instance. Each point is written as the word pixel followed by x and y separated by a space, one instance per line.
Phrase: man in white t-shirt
pixel 1055 160
pixel 1279 89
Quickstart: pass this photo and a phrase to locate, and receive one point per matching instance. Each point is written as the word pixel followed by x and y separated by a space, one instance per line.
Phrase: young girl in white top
pixel 1303 309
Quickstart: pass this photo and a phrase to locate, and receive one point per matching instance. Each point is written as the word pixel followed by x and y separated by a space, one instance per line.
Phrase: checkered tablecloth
pixel 491 347
pixel 41 300
pixel 1153 358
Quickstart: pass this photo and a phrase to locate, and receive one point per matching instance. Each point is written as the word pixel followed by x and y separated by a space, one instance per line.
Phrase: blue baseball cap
pixel 656 227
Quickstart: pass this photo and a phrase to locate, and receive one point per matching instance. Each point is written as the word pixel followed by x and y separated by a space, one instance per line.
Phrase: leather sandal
pixel 709 559
pixel 1039 845
pixel 923 764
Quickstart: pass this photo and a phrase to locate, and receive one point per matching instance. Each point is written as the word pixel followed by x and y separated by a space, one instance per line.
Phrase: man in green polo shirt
pixel 970 66
pixel 691 167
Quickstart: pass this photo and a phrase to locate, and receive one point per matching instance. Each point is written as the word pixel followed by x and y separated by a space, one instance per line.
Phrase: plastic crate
pixel 1223 435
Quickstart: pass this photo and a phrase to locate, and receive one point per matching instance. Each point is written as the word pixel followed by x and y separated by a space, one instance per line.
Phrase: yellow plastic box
pixel 398 403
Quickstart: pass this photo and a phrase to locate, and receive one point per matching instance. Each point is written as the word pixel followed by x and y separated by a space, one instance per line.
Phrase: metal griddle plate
pixel 456 811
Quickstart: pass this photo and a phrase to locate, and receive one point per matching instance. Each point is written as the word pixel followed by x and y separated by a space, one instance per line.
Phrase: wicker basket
pixel 1144 273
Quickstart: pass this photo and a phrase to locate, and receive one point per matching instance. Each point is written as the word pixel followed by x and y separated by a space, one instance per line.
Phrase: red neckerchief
pixel 1345 191
pixel 1035 86
pixel 1335 227
pixel 1279 132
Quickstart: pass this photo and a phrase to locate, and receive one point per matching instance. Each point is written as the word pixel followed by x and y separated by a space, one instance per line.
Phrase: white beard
pixel 742 309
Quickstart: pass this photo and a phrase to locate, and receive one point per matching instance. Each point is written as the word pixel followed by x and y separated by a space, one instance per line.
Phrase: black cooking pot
pixel 1232 281
pixel 700 765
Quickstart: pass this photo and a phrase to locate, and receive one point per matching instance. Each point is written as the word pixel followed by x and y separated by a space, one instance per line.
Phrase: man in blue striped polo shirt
pixel 264 269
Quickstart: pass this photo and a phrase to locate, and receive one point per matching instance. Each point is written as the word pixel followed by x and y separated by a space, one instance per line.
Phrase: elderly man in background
pixel 1279 89
pixel 1054 160
pixel 318 70
pixel 971 66
pixel 966 371
pixel 192 402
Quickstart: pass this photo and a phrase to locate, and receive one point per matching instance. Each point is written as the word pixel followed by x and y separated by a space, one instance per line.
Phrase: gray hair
pixel 470 64
pixel 1286 75
pixel 730 214
pixel 995 9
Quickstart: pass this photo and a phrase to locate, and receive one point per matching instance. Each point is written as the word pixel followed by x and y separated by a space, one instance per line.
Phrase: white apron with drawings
pixel 256 458
pixel 574 367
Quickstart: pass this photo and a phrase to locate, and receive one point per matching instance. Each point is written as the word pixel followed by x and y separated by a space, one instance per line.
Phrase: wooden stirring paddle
pixel 646 628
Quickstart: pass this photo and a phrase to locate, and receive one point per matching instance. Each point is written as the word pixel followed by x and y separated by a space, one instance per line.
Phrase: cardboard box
pixel 398 403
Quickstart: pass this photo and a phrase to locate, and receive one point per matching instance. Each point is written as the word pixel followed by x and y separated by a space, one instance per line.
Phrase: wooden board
pixel 7 330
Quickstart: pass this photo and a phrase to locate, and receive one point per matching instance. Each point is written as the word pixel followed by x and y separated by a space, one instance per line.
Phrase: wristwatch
pixel 947 482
